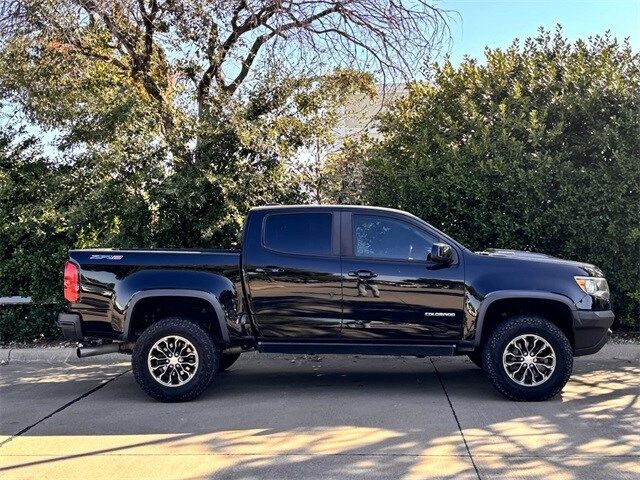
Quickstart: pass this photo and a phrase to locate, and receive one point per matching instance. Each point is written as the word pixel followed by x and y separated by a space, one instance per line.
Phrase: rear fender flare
pixel 177 292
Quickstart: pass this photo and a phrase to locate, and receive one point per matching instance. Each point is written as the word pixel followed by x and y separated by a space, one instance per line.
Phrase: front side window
pixel 300 233
pixel 383 237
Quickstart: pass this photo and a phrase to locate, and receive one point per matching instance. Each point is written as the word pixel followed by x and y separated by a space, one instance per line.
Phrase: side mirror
pixel 441 253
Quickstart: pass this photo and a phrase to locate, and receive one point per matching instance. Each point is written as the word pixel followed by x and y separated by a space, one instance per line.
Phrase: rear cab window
pixel 298 233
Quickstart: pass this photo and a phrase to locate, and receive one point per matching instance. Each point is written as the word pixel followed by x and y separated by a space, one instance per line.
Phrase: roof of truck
pixel 349 207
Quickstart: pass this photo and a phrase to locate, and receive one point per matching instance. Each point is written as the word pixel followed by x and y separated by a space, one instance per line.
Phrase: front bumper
pixel 71 326
pixel 591 330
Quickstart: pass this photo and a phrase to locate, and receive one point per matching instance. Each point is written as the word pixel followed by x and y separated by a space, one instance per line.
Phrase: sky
pixel 495 23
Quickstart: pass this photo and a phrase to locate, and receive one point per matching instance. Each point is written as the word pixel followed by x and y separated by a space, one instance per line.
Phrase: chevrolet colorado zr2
pixel 333 280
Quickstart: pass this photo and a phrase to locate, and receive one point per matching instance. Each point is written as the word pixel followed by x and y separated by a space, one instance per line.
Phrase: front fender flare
pixel 524 294
pixel 177 292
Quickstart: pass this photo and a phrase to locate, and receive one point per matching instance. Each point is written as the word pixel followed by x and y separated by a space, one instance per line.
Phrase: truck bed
pixel 110 275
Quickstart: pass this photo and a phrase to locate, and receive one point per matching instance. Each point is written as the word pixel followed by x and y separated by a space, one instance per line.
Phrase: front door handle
pixel 363 274
pixel 269 270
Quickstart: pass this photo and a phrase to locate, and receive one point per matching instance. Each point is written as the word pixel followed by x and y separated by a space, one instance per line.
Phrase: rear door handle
pixel 363 274
pixel 269 270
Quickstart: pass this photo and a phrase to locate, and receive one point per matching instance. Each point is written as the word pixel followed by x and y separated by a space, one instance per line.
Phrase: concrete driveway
pixel 331 417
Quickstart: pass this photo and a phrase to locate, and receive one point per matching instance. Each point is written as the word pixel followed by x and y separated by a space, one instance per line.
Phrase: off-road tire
pixel 511 328
pixel 208 359
pixel 227 360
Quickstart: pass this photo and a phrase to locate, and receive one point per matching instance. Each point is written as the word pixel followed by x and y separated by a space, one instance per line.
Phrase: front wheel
pixel 174 360
pixel 528 358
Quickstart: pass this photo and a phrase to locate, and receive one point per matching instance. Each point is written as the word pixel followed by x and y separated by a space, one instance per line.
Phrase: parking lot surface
pixel 317 417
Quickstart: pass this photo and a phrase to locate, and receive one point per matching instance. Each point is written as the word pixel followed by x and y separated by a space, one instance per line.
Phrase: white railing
pixel 15 300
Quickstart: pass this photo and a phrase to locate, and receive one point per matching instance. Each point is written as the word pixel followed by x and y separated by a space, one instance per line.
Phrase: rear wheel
pixel 174 360
pixel 528 358
pixel 227 360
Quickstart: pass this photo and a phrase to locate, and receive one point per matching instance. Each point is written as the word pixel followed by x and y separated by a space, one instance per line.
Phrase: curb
pixel 616 351
pixel 55 355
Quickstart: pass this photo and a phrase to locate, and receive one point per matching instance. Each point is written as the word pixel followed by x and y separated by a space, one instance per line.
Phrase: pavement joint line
pixel 63 407
pixel 8 360
pixel 455 416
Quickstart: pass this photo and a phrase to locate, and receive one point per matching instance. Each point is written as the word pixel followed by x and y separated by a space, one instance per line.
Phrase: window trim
pixel 335 232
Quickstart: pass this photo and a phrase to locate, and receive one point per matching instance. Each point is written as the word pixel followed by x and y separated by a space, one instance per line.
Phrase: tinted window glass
pixel 303 233
pixel 382 237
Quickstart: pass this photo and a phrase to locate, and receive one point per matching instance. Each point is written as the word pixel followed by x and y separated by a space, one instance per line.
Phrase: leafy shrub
pixel 28 323
pixel 537 149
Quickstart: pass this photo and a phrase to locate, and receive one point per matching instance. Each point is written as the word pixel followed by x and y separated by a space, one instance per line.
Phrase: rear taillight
pixel 71 282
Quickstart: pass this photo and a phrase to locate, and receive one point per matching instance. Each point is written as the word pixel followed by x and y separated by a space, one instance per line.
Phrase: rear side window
pixel 301 233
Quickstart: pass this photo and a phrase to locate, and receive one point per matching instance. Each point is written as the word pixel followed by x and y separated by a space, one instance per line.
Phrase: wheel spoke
pixel 190 360
pixel 158 353
pixel 537 346
pixel 184 349
pixel 534 366
pixel 544 357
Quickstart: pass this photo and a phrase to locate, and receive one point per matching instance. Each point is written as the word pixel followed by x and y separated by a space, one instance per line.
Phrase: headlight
pixel 596 286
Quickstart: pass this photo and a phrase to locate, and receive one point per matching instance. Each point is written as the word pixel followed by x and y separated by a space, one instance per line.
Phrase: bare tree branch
pixel 211 41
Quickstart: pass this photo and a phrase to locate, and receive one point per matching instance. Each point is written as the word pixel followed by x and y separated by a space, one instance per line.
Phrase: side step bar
pixel 358 348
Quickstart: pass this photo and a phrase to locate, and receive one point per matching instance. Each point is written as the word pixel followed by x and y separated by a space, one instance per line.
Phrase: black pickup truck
pixel 336 279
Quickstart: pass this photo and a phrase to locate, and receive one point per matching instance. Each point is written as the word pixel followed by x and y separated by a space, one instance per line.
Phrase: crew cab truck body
pixel 336 279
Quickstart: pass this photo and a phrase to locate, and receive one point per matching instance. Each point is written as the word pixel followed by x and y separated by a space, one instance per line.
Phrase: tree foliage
pixel 535 149
pixel 29 220
pixel 343 173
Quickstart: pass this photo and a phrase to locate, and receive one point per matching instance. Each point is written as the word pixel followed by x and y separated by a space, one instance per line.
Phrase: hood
pixel 540 257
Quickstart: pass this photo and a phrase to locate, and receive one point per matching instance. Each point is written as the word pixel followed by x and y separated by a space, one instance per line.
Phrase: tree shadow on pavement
pixel 333 417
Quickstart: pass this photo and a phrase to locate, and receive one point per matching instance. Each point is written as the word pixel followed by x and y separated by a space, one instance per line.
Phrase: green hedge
pixel 536 149
pixel 28 323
